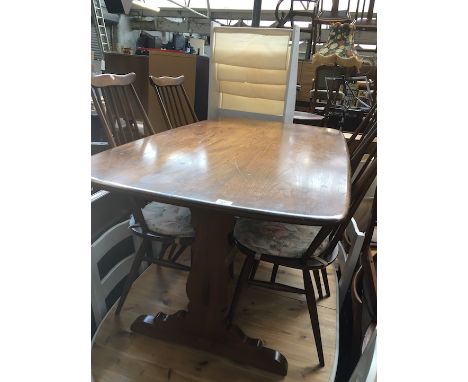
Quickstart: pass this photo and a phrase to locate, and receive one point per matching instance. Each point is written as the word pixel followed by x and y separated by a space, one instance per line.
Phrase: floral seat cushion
pixel 167 219
pixel 277 239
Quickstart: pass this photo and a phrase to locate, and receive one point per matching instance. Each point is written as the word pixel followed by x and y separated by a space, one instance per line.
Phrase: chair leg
pixel 176 256
pixel 325 282
pixel 171 252
pixel 274 272
pixel 231 270
pixel 149 248
pixel 241 282
pixel 164 247
pixel 314 320
pixel 254 269
pixel 318 283
pixel 132 274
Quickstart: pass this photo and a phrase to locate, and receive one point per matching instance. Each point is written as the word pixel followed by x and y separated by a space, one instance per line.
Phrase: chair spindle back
pixel 365 125
pixel 119 108
pixel 362 180
pixel 175 104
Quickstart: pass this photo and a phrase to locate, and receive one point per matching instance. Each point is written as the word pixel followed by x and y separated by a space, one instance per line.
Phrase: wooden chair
pixel 166 224
pixel 362 138
pixel 173 100
pixel 301 247
pixel 253 73
pixel 120 110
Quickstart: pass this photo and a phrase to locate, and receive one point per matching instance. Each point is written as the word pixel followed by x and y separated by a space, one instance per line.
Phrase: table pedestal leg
pixel 204 324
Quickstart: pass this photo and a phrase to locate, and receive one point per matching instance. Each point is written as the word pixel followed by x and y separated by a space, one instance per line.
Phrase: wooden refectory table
pixel 221 169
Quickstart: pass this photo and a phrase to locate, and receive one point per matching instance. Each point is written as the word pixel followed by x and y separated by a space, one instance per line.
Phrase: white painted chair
pixel 346 260
pixel 102 286
pixel 253 72
pixel 112 250
pixel 366 368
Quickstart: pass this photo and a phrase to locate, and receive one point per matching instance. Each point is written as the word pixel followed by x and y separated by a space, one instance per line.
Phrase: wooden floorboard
pixel 280 319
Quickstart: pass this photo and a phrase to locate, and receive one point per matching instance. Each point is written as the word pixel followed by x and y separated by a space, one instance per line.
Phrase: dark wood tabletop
pixel 270 170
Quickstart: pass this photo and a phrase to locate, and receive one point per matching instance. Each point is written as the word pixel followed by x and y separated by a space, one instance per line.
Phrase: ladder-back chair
pixel 120 110
pixel 301 247
pixel 112 251
pixel 173 100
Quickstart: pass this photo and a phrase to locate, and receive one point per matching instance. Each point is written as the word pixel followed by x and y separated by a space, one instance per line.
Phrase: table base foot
pixel 229 342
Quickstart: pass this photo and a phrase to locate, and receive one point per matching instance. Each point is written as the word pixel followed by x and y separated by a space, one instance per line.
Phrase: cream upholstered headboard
pixel 253 71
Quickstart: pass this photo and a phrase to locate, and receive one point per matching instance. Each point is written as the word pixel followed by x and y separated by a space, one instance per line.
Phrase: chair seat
pixel 277 239
pixel 167 219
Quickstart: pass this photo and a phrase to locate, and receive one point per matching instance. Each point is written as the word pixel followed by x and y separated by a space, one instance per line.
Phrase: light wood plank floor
pixel 280 319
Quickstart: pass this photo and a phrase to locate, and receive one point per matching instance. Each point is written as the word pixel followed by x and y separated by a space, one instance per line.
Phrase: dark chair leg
pixel 274 272
pixel 171 252
pixel 314 320
pixel 318 283
pixel 132 274
pixel 149 249
pixel 184 244
pixel 325 282
pixel 254 269
pixel 176 256
pixel 164 247
pixel 243 279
